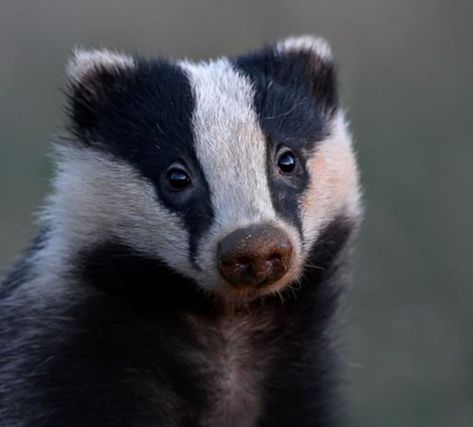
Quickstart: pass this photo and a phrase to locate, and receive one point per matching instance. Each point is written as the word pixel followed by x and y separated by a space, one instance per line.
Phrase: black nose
pixel 258 255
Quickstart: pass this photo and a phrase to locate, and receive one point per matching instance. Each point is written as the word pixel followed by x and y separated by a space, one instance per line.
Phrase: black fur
pixel 143 116
pixel 22 270
pixel 116 355
pixel 295 98
pixel 303 388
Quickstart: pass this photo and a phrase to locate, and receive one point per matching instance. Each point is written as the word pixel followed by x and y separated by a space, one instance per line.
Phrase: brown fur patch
pixel 230 354
pixel 333 188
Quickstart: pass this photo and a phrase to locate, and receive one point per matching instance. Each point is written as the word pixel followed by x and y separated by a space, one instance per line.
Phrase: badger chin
pixel 243 295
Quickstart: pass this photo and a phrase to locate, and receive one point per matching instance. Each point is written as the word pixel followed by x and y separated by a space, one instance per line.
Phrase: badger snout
pixel 254 256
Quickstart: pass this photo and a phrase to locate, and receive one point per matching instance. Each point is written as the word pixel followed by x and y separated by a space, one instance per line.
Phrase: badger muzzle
pixel 255 256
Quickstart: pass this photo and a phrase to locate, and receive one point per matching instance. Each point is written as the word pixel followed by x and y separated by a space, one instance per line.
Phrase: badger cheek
pixel 332 189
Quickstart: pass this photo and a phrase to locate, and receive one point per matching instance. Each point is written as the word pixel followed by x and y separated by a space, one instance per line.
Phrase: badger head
pixel 226 171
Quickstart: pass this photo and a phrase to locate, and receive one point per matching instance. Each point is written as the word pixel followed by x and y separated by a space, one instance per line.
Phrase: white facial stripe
pixel 231 149
pixel 333 188
pixel 230 144
pixel 98 196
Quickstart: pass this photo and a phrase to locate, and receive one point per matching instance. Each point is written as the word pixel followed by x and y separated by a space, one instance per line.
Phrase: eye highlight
pixel 286 161
pixel 177 178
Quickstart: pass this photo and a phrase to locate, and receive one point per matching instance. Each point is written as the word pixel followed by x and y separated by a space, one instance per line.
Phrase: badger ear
pixel 319 70
pixel 293 61
pixel 308 45
pixel 93 76
pixel 87 65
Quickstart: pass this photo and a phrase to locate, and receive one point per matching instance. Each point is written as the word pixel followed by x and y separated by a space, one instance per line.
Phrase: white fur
pixel 230 144
pixel 231 148
pixel 306 43
pixel 85 61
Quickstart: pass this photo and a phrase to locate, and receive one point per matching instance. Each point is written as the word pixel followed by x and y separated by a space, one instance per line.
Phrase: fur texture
pixel 118 315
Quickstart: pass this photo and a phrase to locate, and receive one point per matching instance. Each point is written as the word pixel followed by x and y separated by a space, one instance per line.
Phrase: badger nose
pixel 258 255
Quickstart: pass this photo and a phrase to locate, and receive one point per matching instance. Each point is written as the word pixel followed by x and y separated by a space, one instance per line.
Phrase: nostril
pixel 274 257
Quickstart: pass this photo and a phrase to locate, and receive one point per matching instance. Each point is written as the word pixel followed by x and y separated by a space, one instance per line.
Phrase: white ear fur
pixel 84 62
pixel 306 43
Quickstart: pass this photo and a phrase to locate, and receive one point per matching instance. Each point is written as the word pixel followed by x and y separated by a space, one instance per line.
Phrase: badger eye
pixel 178 179
pixel 287 161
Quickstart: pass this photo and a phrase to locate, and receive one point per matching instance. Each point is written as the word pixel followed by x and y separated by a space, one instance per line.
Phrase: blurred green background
pixel 406 68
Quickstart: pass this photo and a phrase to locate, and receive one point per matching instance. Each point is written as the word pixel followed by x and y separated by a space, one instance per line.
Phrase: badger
pixel 193 251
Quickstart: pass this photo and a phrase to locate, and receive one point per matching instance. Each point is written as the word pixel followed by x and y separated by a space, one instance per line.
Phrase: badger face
pixel 227 171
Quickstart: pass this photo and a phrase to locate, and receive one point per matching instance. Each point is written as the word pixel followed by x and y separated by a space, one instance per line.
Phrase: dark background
pixel 406 68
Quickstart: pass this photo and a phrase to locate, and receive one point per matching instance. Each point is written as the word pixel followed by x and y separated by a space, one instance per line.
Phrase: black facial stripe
pixel 290 105
pixel 285 198
pixel 289 116
pixel 331 242
pixel 144 116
